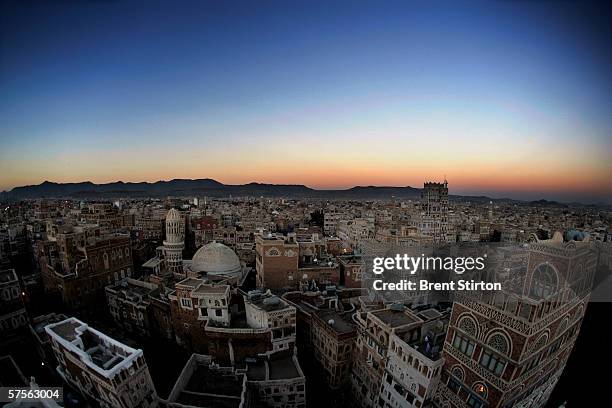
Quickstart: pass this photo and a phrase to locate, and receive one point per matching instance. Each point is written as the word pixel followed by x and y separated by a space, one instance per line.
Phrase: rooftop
pixel 340 324
pixel 95 349
pixel 266 302
pixel 205 288
pixel 284 367
pixel 190 282
pixel 133 289
pixel 397 318
pixel 204 384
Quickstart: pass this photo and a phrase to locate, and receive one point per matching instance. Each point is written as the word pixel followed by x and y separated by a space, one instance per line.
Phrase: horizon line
pixel 503 195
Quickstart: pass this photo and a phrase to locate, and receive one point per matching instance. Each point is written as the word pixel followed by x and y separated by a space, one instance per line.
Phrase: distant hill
pixel 202 187
pixel 212 188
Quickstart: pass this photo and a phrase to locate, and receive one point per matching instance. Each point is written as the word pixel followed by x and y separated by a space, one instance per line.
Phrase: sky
pixel 503 98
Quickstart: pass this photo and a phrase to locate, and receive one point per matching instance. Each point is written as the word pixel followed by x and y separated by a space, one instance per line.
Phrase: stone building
pixel 432 221
pixel 203 384
pixel 277 381
pixel 333 340
pixel 217 320
pixel 397 362
pixel 276 261
pixel 108 372
pixel 129 303
pixel 42 341
pixel 13 316
pixel 292 262
pixel 84 271
pixel 274 382
pixel 508 349
pixel 414 365
pixel 352 270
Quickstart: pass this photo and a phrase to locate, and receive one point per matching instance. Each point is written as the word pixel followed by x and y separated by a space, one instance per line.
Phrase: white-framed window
pixel 186 303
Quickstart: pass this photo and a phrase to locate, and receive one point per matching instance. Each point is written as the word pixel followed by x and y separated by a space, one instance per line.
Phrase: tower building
pixel 508 349
pixel 174 242
pixel 434 211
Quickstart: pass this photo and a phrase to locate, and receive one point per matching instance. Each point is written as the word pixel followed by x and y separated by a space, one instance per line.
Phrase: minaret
pixel 174 242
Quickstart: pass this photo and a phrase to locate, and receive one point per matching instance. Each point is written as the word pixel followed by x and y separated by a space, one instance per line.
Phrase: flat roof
pixel 190 282
pixel 283 368
pixel 341 324
pixel 214 381
pixel 429 314
pixel 95 349
pixel 213 289
pixel 268 305
pixel 396 318
pixel 204 385
pixel 256 371
pixel 66 329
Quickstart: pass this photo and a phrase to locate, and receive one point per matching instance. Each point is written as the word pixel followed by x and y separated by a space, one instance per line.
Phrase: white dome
pixel 216 259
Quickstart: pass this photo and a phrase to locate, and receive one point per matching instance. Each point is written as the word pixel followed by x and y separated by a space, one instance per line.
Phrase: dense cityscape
pixel 207 301
pixel 305 204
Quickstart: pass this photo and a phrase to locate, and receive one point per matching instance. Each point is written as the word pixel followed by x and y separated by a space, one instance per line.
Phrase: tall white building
pixel 110 373
pixel 174 242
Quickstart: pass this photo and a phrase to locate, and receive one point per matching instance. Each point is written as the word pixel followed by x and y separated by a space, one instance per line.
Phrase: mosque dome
pixel 216 259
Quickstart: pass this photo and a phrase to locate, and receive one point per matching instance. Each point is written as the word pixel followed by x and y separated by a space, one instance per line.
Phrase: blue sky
pixel 327 94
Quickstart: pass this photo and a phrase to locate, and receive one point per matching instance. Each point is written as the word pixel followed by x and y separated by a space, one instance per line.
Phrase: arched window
pixel 540 342
pixel 468 325
pixel 480 389
pixel 273 252
pixel 544 282
pixel 499 342
pixel 458 373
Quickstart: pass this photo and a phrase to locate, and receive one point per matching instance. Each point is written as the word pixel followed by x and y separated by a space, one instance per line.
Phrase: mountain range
pixel 212 188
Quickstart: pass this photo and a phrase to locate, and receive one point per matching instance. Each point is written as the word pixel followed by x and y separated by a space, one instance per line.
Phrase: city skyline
pixel 504 99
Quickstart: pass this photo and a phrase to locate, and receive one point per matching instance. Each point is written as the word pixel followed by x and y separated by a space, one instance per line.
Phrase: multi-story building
pixel 84 271
pixel 508 349
pixel 41 338
pixel 414 365
pixel 129 305
pixel 433 220
pixel 13 316
pixel 204 384
pixel 333 340
pixel 108 372
pixel 274 382
pixel 330 223
pixel 397 361
pixel 268 312
pixel 277 381
pixel 216 319
pixel 352 270
pixel 276 261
